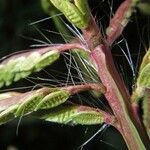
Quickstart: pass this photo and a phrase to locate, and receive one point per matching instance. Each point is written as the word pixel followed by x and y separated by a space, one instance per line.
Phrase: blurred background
pixel 17 34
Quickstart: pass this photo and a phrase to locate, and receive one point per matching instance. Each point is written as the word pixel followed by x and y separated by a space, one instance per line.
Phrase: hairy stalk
pixel 118 97
pixel 117 94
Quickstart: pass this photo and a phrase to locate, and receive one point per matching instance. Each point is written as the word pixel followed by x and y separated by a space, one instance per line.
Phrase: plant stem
pixel 117 94
pixel 118 98
pixel 92 34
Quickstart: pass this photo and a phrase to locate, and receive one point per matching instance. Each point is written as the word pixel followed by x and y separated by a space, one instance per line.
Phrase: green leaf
pixel 8 114
pixel 144 77
pixel 75 115
pixel 146 59
pixel 53 99
pixel 41 99
pixel 20 67
pixel 46 59
pixel 49 98
pixel 29 104
pixel 44 98
pixel 77 12
pixel 143 80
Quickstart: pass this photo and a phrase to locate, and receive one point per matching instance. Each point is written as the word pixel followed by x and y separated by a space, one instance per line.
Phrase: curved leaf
pixel 45 98
pixel 77 114
pixel 8 114
pixel 53 99
pixel 143 80
pixel 77 12
pixel 146 59
pixel 143 83
pixel 16 68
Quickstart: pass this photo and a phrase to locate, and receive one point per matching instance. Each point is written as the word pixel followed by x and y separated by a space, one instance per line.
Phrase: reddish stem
pixel 119 21
pixel 92 34
pixel 118 98
pixel 85 87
